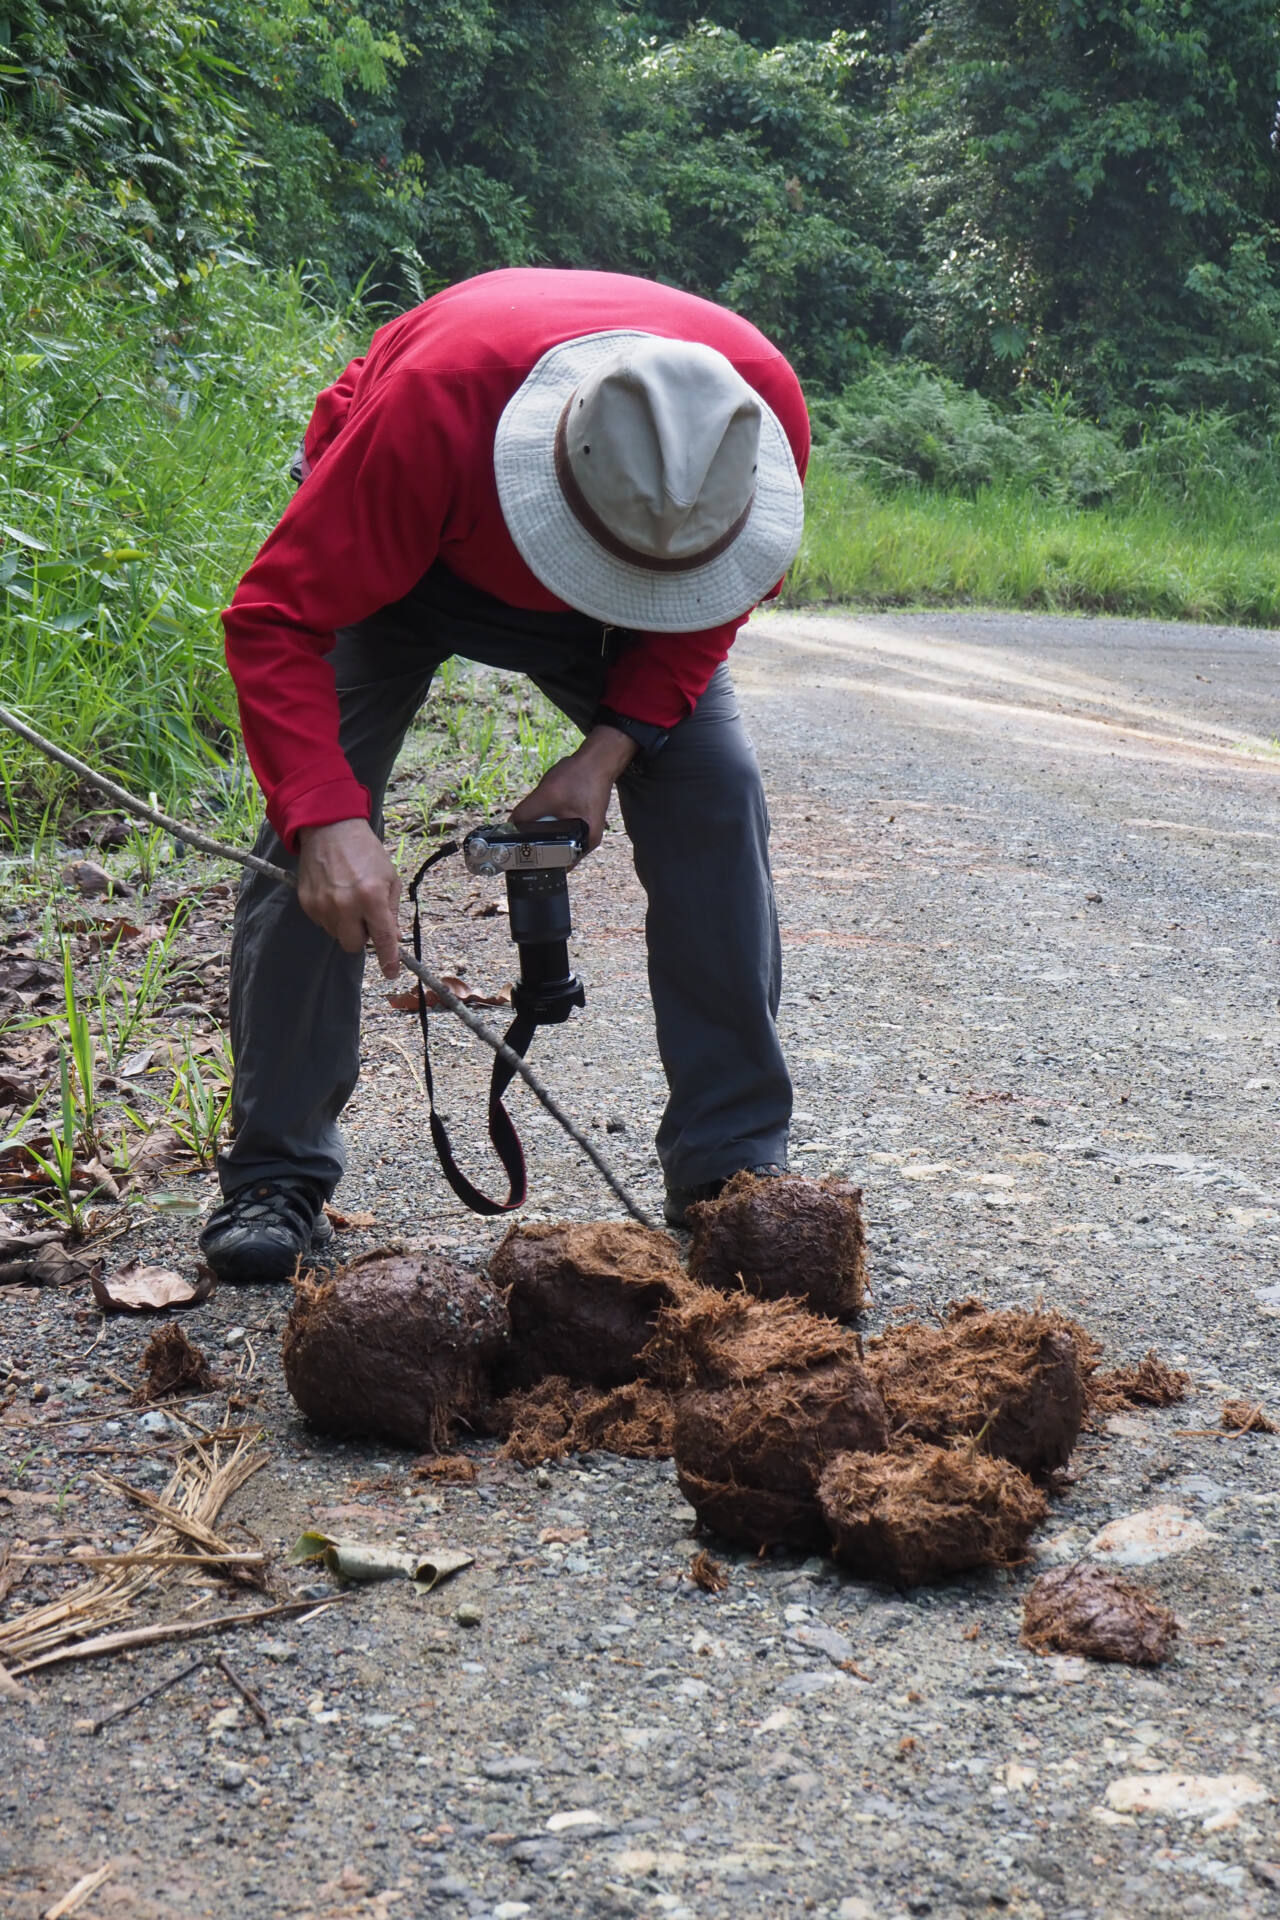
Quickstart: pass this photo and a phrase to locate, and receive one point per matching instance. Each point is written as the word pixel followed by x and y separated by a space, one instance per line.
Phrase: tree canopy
pixel 1019 192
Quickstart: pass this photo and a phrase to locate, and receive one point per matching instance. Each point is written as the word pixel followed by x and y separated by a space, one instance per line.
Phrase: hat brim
pixel 573 566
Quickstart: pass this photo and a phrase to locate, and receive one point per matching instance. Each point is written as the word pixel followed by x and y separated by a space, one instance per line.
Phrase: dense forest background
pixel 1079 191
pixel 1024 253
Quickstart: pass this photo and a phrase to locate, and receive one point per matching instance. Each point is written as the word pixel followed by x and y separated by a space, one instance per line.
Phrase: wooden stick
pixel 152 1693
pixel 73 1901
pixel 203 844
pixel 170 1630
pixel 251 1699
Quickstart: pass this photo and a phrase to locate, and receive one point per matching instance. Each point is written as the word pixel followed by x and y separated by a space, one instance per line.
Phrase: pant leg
pixel 699 829
pixel 295 995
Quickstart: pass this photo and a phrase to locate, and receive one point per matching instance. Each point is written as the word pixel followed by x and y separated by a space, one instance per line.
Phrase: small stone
pixel 852 1908
pixel 542 1478
pixel 1140 1539
pixel 511 1910
pixel 154 1422
pixel 223 1722
pixel 574 1820
pixel 234 1336
pixel 232 1776
pixel 40 1390
pixel 468 1615
pixel 835 1645
pixel 1213 1799
pixel 280 1650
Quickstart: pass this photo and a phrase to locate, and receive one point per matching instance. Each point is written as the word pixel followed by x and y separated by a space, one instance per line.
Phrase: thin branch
pixel 204 844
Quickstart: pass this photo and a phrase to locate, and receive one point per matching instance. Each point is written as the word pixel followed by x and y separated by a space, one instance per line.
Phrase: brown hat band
pixel 589 520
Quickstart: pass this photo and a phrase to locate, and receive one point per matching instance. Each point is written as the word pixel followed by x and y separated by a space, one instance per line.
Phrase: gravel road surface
pixel 1026 870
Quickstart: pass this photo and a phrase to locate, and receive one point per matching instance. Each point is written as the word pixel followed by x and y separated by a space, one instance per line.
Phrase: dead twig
pixel 144 1699
pixel 172 1630
pixel 72 1902
pixel 251 1699
pixel 473 1023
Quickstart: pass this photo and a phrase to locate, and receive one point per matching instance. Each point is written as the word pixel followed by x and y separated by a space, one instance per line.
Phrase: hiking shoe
pixel 260 1231
pixel 675 1208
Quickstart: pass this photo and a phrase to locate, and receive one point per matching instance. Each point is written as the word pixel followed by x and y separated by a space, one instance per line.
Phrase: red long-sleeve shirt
pixel 400 450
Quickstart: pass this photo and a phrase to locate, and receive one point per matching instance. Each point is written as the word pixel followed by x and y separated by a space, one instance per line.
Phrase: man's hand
pixel 348 885
pixel 579 786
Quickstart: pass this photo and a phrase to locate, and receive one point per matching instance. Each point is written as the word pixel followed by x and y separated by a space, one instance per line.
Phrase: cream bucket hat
pixel 646 484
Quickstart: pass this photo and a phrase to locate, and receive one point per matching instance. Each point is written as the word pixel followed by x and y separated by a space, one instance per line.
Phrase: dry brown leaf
pixel 410 1001
pixel 343 1222
pixel 141 1289
pixel 97 1177
pixel 156 1151
pixel 86 876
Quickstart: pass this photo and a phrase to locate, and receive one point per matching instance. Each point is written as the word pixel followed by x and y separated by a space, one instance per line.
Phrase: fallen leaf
pixel 86 876
pixel 15 1092
pixel 347 1222
pixel 156 1151
pixel 140 1289
pixel 409 1002
pixel 101 1181
pixel 136 1063
pixel 41 1261
pixel 364 1560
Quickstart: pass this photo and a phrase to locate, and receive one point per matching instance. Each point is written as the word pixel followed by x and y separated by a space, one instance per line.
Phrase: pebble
pixel 837 1646
pixel 232 1776
pixel 574 1820
pixel 1213 1799
pixel 280 1650
pixel 852 1908
pixel 234 1336
pixel 511 1910
pixel 468 1615
pixel 1140 1539
pixel 154 1422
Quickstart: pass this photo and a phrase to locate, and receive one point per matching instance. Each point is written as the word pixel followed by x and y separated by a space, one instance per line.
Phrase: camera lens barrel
pixel 538 909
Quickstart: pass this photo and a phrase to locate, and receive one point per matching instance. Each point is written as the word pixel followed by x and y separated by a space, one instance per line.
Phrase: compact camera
pixel 535 862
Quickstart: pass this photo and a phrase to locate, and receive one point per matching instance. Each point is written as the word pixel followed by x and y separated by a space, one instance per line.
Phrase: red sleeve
pixel 661 679
pixel 359 532
pixel 330 412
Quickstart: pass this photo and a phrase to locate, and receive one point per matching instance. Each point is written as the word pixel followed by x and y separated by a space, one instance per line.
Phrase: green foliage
pixel 1099 195
pixel 144 437
pixel 770 187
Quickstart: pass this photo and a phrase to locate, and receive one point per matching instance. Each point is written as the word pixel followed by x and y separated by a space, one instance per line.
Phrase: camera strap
pixel 502 1132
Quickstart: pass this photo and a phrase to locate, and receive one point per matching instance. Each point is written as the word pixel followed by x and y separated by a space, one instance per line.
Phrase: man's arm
pixel 579 786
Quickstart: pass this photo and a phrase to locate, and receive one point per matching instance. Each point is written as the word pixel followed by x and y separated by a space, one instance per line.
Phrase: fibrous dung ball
pixel 397 1345
pixel 1015 1378
pixel 1084 1610
pixel 768 1394
pixel 583 1299
pixel 784 1236
pixel 921 1512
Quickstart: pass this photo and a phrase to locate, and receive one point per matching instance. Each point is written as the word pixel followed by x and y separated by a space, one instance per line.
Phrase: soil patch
pixel 583 1299
pixel 923 1512
pixel 1084 1610
pixel 780 1237
pixel 1015 1378
pixel 397 1345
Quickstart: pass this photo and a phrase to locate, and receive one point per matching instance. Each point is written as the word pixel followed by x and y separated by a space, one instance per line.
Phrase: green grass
pixel 1216 558
pixel 144 442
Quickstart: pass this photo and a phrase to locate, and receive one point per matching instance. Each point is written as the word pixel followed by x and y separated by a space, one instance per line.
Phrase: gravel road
pixel 1026 871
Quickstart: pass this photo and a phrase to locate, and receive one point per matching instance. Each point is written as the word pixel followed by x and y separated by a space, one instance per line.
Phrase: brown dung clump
pixel 399 1345
pixel 1246 1416
pixel 784 1236
pixel 923 1512
pixel 1083 1610
pixel 708 1573
pixel 1014 1378
pixel 583 1298
pixel 173 1366
pixel 769 1394
pixel 555 1418
pixel 1150 1384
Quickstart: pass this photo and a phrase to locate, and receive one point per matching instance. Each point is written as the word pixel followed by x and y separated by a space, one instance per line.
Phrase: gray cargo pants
pixel 699 830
